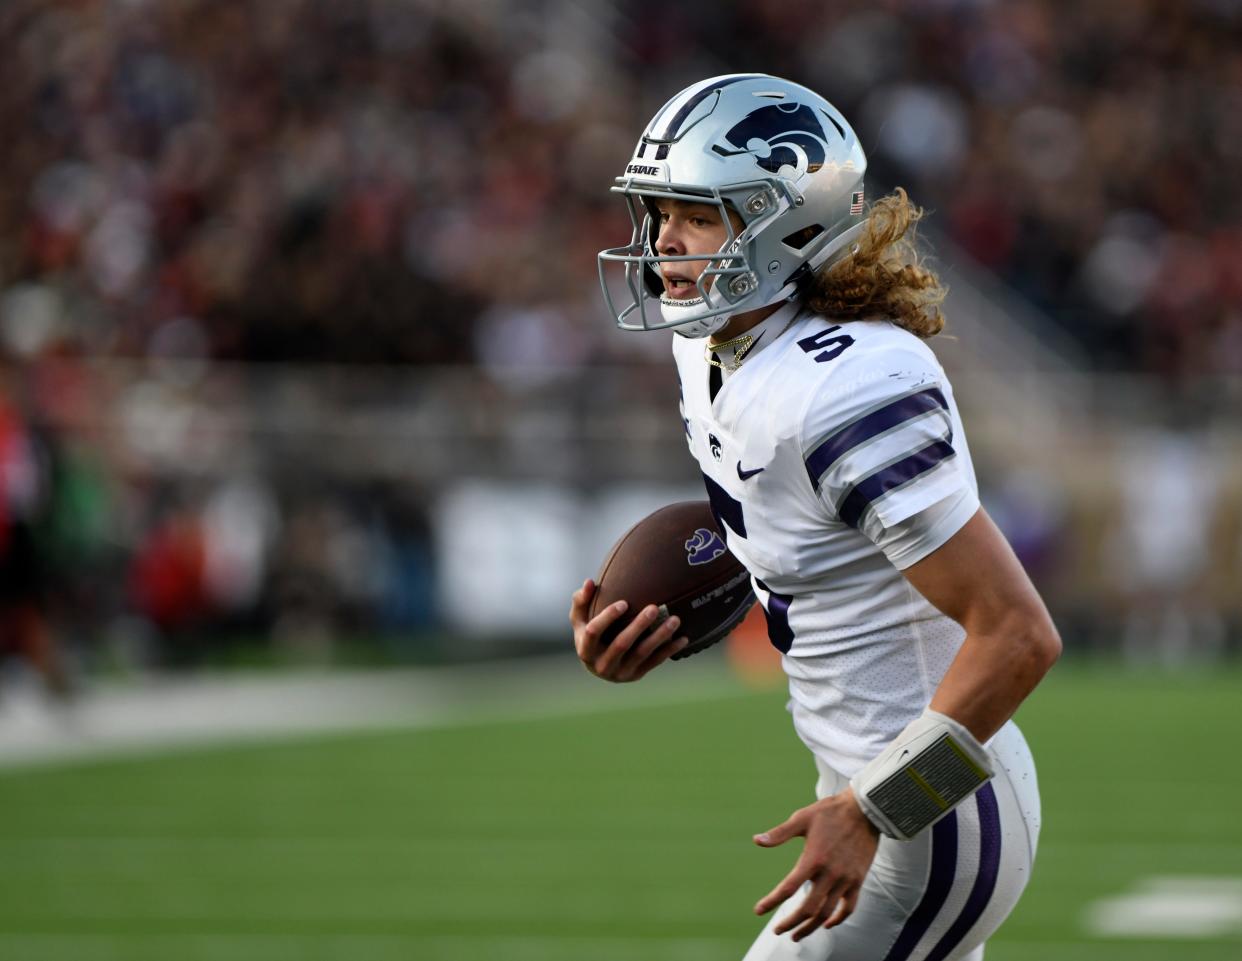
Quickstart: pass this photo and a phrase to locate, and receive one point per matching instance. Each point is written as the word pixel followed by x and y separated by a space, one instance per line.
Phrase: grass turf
pixel 618 835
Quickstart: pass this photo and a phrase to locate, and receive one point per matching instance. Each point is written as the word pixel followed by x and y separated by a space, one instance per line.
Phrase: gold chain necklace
pixel 740 346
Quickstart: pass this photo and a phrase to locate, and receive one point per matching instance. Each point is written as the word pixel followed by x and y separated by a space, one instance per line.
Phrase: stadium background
pixel 311 418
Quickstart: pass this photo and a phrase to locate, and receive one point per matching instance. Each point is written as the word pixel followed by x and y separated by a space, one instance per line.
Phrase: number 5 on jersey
pixel 823 339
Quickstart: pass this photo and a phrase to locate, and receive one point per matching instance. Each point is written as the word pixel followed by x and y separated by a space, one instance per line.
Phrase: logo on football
pixel 676 559
pixel 704 547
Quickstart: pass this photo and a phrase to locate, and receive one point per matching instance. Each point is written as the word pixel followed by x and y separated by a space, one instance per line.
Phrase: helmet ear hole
pixel 801 238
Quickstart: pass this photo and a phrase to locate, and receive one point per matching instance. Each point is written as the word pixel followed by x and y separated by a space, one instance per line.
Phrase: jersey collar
pixel 731 354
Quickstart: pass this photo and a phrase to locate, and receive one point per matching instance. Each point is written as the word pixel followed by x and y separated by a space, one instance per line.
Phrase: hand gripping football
pixel 676 559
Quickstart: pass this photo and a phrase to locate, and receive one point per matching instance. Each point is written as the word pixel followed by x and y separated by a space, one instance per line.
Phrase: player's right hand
pixel 631 655
pixel 840 846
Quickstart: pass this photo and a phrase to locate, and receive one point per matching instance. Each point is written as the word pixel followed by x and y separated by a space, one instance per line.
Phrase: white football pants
pixel 939 896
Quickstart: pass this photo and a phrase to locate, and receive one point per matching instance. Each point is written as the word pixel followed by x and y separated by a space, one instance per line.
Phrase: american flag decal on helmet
pixel 856 203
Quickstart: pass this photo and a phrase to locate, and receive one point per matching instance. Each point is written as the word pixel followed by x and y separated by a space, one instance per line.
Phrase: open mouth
pixel 679 286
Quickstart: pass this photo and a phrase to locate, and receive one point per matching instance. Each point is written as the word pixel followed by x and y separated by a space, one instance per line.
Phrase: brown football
pixel 676 559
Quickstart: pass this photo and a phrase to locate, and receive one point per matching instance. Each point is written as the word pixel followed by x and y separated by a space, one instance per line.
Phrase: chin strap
pixel 702 327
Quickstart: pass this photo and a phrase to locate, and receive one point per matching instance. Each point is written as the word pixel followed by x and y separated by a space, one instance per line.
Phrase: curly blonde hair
pixel 885 274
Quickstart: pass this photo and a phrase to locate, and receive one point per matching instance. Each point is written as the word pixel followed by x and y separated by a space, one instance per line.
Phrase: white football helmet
pixel 777 154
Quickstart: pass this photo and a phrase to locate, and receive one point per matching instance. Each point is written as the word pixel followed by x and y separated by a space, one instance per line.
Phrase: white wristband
pixel 930 768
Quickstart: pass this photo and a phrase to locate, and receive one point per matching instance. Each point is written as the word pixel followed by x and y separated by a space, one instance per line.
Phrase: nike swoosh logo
pixel 748 474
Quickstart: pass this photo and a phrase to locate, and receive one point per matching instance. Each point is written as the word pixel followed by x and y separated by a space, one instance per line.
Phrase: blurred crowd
pixel 393 180
pixel 1081 151
pixel 193 183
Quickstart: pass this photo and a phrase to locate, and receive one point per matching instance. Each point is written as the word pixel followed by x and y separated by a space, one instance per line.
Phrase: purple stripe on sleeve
pixel 870 489
pixel 939 881
pixel 872 425
pixel 985 881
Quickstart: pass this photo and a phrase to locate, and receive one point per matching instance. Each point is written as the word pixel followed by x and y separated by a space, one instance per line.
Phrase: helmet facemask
pixel 729 283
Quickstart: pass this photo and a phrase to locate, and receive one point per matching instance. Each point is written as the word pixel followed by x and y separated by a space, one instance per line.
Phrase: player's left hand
pixel 840 845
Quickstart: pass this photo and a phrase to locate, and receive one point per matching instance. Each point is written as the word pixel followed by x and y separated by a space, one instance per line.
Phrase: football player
pixel 838 470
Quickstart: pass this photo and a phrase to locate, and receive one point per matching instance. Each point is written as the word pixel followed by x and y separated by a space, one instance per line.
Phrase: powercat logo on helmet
pixel 780 135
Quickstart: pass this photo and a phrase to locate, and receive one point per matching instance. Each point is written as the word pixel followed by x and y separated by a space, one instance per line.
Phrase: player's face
pixel 688 228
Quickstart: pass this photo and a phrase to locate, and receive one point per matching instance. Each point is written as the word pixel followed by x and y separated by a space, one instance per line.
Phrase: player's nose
pixel 669 241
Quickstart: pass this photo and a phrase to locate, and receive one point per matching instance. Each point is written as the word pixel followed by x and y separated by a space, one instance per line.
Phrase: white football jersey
pixel 834 457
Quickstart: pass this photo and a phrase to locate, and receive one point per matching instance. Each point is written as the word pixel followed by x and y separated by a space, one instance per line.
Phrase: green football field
pixel 618 834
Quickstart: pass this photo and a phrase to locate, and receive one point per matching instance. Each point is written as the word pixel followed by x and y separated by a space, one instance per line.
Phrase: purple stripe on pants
pixel 985 881
pixel 939 881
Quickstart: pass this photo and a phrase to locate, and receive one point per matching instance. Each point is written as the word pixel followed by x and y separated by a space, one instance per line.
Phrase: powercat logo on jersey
pixel 704 547
pixel 780 135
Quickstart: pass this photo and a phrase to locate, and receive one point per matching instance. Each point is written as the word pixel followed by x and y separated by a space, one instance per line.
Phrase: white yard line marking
pixel 1171 907
pixel 1000 948
pixel 179 713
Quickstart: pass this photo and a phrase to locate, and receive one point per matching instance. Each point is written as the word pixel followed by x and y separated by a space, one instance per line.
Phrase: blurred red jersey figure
pixel 168 583
pixel 836 464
